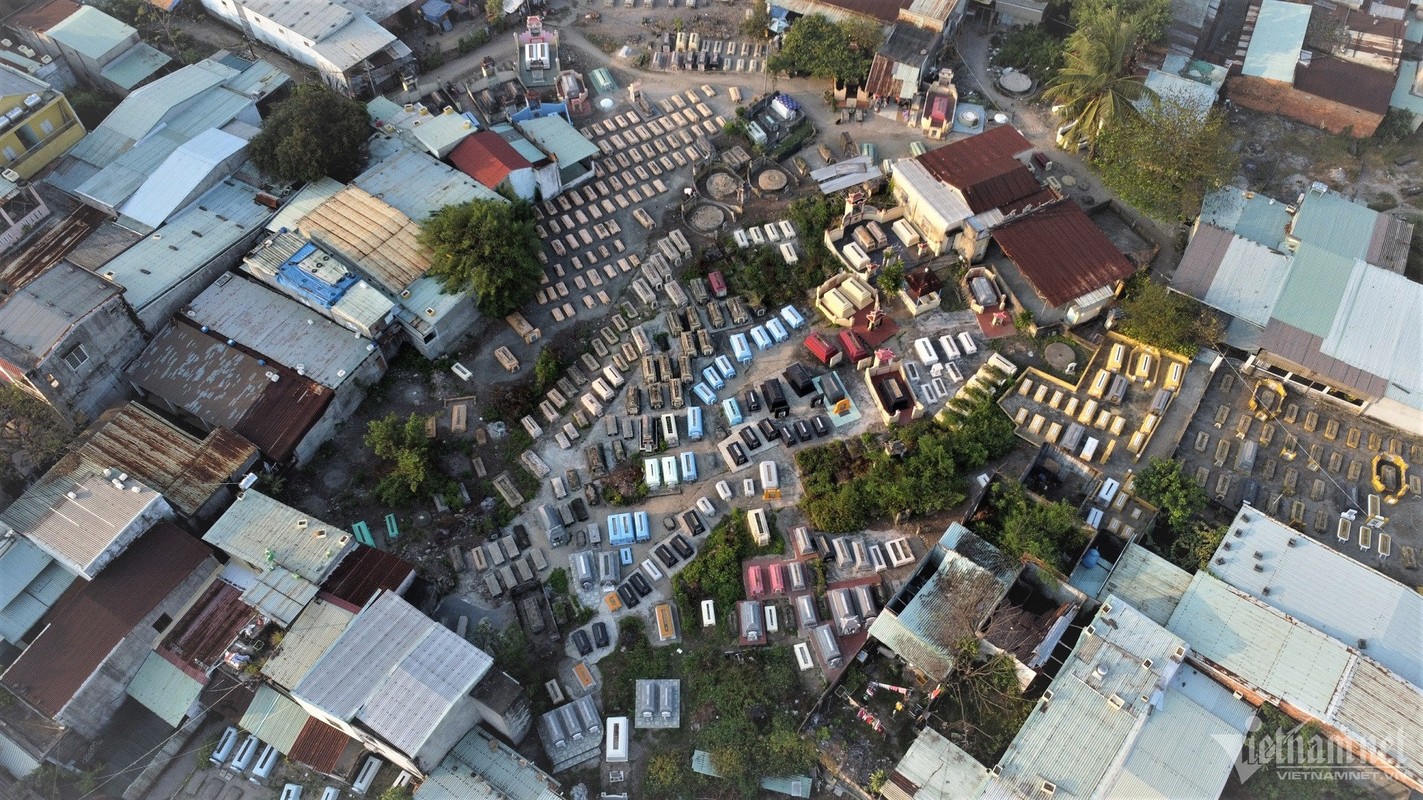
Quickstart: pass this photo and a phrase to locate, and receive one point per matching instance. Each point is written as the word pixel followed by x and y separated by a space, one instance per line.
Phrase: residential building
pixel 900 65
pixel 563 143
pixel 572 733
pixel 40 124
pixel 99 50
pixel 936 15
pixel 344 43
pixel 65 337
pixel 949 596
pixel 22 209
pixel 1316 294
pixel 96 637
pixel 503 706
pixel 164 272
pixel 547 176
pixel 495 163
pixel 481 767
pixel 201 380
pixel 282 331
pixel 399 683
pixel 1348 89
pixel 133 144
pixel 537 48
pixel 436 132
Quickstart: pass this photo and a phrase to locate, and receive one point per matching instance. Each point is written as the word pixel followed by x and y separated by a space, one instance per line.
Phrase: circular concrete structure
pixel 706 217
pixel 722 185
pixel 1059 355
pixel 1016 82
pixel 771 180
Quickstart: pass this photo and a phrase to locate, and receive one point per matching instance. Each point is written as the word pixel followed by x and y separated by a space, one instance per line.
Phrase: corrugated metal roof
pixel 937 769
pixel 1190 93
pixel 202 635
pixel 135 66
pixel 93 616
pixel 397 671
pixel 1279 36
pixel 1346 82
pixel 40 316
pixel 417 185
pixel 1376 326
pixel 1232 274
pixel 1062 252
pixel 1147 582
pixel 951 591
pixel 1324 588
pixel 146 107
pixel 20 563
pixel 372 233
pixel 487 158
pixel 319 746
pixel 282 330
pixel 357 40
pixel 197 163
pixel 186 470
pixel 883 11
pixel 937 200
pixel 1287 342
pixel 1384 713
pixel 43 17
pixel 525 148
pixel 92 33
pixel 274 718
pixel 304 202
pixel 555 136
pixel 434 129
pixel 1266 649
pixel 1336 224
pixel 1310 298
pixel 983 167
pixel 279 594
pixel 86 531
pixel 16 83
pixel 366 571
pixel 35 595
pixel 256 526
pixel 222 217
pixel 480 767
pixel 318 626
pixel 314 20
pixel 164 689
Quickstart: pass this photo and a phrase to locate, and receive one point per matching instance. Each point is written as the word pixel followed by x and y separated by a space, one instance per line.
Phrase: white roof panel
pixel 1376 328
pixel 180 175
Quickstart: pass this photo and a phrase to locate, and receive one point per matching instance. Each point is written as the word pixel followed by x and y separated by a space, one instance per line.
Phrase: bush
pixel 474 41
pixel 1032 50
pixel 1047 532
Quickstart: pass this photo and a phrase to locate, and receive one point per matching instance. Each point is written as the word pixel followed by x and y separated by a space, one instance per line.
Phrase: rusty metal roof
pixel 319 746
pixel 42 18
pixel 202 635
pixel 92 617
pixel 366 571
pixel 227 387
pixel 1346 82
pixel 984 168
pixel 1062 253
pixel 372 233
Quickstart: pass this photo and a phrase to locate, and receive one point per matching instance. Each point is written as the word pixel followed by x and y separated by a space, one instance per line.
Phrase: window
pixel 430 337
pixel 10 154
pixel 76 357
pixel 161 624
pixel 46 126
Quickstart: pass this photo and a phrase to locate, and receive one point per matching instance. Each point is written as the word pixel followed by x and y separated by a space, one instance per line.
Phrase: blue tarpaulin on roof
pixel 435 11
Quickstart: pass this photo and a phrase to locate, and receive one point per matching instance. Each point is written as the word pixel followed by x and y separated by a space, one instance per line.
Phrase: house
pixel 1316 294
pixel 492 161
pixel 481 766
pixel 98 49
pixel 96 637
pixel 537 50
pixel 949 596
pixel 133 144
pixel 1060 266
pixel 1345 90
pixel 22 210
pixel 201 380
pixel 901 62
pixel 399 683
pixel 564 145
pixel 195 475
pixel 281 331
pixel 344 42
pixel 436 132
pixel 65 338
pixel 166 270
pixel 41 124
pixel 1144 722
pixel 195 167
pixel 1195 84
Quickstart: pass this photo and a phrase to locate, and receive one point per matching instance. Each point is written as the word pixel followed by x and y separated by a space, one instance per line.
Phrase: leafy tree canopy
pixel 1097 83
pixel 1165 484
pixel 1150 18
pixel 1165 159
pixel 817 47
pixel 1033 50
pixel 1167 319
pixel 313 134
pixel 32 434
pixel 402 444
pixel 487 248
pixel 1047 532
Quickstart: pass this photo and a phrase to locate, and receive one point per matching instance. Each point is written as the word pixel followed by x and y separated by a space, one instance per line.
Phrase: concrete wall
pixel 1274 97
pixel 461 717
pixel 96 701
pixel 157 312
pixel 111 339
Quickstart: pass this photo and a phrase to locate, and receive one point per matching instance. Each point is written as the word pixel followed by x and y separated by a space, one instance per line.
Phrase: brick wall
pixel 1274 97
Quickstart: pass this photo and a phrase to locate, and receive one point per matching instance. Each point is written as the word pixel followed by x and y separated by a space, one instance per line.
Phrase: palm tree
pixel 1097 84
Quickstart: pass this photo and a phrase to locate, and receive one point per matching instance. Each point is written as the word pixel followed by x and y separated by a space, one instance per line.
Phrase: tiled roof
pixel 94 616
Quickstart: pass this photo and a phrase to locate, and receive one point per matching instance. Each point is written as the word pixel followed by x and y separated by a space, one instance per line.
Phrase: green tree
pixel 32 434
pixel 91 105
pixel 1150 18
pixel 1397 125
pixel 546 368
pixel 817 47
pixel 1193 548
pixel 487 248
pixel 1032 50
pixel 757 24
pixel 891 277
pixel 1027 527
pixel 312 134
pixel 1097 83
pixel 402 444
pixel 1167 319
pixel 494 11
pixel 1166 158
pixel 1165 484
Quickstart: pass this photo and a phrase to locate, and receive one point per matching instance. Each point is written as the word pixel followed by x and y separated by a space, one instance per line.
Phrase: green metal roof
pixel 91 32
pixel 1249 215
pixel 480 767
pixel 1311 295
pixel 135 66
pixel 274 718
pixel 1279 36
pixel 559 139
pixel 602 81
pixel 165 689
pixel 1335 223
pixel 1408 92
